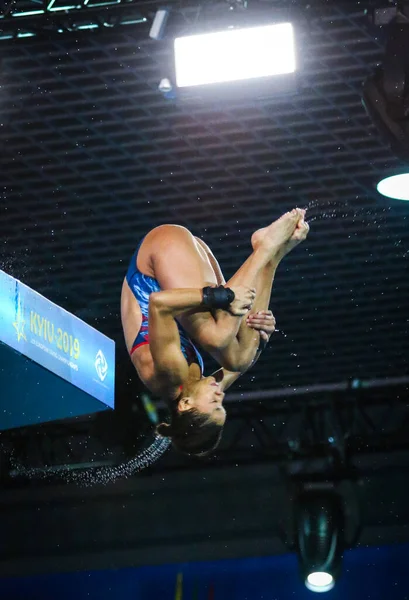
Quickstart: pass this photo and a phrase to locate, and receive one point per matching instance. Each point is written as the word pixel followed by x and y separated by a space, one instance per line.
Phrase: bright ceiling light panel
pixel 235 54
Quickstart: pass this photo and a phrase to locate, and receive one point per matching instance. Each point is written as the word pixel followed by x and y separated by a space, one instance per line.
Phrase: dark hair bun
pixel 164 429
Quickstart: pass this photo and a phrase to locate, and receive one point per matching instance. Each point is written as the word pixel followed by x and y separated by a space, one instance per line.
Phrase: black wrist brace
pixel 219 297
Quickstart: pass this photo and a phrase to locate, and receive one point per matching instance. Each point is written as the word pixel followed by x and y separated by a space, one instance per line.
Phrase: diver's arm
pixel 177 301
pixel 164 343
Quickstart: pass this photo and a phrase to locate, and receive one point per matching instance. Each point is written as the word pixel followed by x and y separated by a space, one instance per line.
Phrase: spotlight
pixel 319 521
pixel 396 187
pixel 319 581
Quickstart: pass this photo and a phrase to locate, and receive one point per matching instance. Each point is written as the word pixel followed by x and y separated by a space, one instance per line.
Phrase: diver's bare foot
pixel 282 236
pixel 299 235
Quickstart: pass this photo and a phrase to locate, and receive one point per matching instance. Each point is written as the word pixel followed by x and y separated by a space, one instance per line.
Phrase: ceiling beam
pixel 27 19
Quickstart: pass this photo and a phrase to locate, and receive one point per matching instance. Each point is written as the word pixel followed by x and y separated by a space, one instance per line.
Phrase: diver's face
pixel 208 398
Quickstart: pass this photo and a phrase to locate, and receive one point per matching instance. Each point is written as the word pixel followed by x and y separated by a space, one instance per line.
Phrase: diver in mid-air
pixel 174 292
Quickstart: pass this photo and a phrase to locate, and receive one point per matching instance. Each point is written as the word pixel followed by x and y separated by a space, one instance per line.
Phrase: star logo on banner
pixel 19 326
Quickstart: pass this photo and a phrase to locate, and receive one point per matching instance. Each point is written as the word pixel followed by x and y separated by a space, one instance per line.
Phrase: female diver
pixel 174 290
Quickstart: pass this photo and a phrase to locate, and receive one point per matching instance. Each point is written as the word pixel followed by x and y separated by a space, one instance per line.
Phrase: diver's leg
pixel 171 245
pixel 177 260
pixel 242 349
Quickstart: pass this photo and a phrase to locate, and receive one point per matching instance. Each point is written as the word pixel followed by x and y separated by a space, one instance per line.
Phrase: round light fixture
pixel 319 521
pixel 396 187
pixel 319 581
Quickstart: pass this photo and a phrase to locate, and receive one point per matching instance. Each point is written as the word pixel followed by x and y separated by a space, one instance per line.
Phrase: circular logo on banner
pixel 101 365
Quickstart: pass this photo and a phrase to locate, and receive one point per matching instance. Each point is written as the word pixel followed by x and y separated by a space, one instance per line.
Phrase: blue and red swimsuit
pixel 142 286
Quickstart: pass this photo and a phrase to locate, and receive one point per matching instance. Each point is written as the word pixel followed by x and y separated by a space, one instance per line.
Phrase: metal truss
pixel 332 430
pixel 22 19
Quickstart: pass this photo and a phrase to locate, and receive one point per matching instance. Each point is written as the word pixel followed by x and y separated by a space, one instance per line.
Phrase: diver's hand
pixel 243 300
pixel 264 322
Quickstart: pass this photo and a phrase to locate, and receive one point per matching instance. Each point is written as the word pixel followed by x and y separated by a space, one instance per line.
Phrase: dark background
pixel 92 157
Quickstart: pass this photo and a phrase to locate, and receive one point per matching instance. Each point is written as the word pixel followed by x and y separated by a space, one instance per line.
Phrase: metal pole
pixel 317 389
pixel 310 389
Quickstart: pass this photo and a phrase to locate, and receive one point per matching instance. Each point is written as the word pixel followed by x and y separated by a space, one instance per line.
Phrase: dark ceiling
pixel 93 156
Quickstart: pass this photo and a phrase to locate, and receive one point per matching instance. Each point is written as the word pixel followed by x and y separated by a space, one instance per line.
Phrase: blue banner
pixel 56 339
